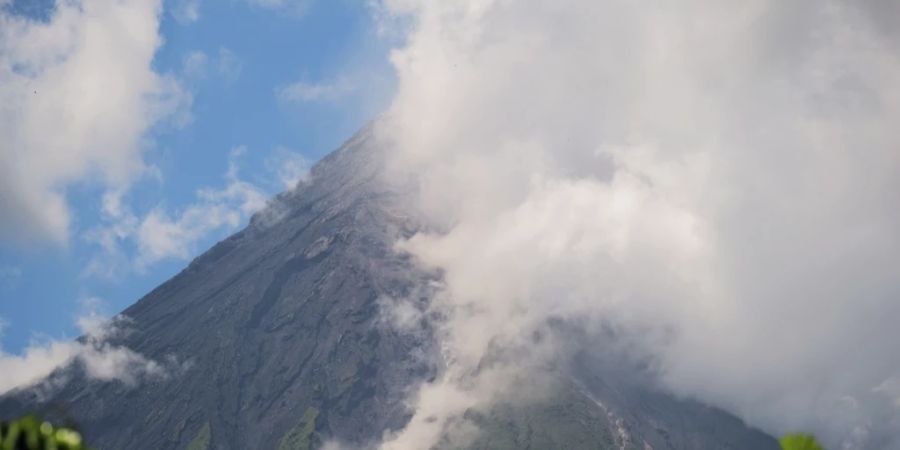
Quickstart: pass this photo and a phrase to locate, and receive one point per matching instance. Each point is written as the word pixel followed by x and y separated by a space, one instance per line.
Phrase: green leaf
pixel 29 433
pixel 799 441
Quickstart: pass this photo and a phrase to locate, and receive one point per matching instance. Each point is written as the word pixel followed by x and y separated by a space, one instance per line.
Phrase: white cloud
pixel 100 359
pixel 290 167
pixel 195 64
pixel 78 94
pixel 186 11
pixel 719 178
pixel 226 65
pixel 132 241
pixel 296 7
pixel 160 234
pixel 302 91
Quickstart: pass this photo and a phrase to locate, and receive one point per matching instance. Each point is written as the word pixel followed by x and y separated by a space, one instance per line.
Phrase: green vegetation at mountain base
pixel 201 440
pixel 799 441
pixel 29 433
pixel 301 436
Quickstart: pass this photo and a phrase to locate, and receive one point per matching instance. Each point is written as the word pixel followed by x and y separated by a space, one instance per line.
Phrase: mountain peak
pixel 281 340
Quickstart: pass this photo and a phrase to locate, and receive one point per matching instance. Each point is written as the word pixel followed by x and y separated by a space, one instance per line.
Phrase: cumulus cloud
pixel 78 95
pixel 717 179
pixel 100 359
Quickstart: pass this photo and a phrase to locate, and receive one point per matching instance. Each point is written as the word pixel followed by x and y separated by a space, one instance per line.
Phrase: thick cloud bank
pixel 719 179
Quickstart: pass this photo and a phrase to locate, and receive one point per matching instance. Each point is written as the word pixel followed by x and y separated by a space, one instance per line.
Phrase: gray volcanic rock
pixel 274 339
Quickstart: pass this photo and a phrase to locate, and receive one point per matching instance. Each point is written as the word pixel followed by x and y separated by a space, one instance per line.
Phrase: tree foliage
pixel 799 441
pixel 29 433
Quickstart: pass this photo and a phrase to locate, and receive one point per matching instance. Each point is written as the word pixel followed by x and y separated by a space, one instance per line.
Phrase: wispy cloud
pixel 297 8
pixel 302 91
pixel 290 167
pixel 185 11
pixel 195 64
pixel 9 277
pixel 100 359
pixel 225 64
pixel 131 241
pixel 160 234
pixel 228 65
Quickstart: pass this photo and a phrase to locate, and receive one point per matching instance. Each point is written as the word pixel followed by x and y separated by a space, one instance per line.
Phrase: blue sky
pixel 264 88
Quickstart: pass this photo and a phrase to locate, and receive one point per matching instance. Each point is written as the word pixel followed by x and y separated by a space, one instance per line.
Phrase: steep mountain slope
pixel 276 340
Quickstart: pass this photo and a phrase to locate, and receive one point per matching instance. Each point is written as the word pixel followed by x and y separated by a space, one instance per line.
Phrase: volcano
pixel 276 338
